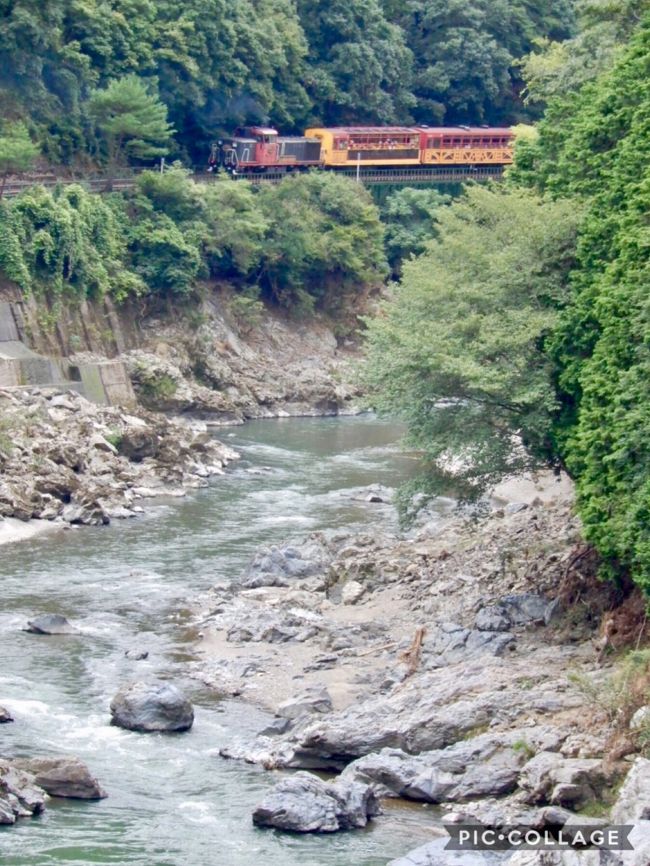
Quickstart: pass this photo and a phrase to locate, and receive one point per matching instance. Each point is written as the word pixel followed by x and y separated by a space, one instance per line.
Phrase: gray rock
pixel 19 791
pixel 492 618
pixel 484 766
pixel 516 610
pixel 550 778
pixel 275 728
pixel 315 699
pixel 91 514
pixel 447 643
pixel 137 655
pixel 352 592
pixel 304 803
pixel 434 854
pixel 149 707
pixel 7 814
pixel 633 801
pixel 280 566
pixel 63 777
pixel 50 623
pixel 5 716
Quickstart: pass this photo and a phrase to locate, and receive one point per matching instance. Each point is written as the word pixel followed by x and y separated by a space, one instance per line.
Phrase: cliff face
pixel 210 360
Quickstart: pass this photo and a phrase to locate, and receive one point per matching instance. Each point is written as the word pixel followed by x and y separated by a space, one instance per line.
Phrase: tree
pixel 324 244
pixel 560 69
pixel 132 120
pixel 17 151
pixel 465 51
pixel 360 66
pixel 458 352
pixel 599 152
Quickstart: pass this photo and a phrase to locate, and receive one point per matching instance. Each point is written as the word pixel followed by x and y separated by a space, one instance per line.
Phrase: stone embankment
pixel 454 666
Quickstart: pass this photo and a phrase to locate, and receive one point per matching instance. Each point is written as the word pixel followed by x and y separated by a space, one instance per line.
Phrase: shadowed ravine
pixel 172 801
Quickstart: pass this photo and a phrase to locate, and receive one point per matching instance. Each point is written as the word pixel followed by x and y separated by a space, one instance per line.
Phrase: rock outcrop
pixel 20 797
pixel 303 803
pixel 228 370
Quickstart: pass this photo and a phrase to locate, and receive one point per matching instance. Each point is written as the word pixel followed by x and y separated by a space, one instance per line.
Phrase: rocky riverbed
pixel 457 665
pixel 65 459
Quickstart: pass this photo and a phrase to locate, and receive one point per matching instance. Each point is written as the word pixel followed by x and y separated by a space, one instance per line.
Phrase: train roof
pixel 459 130
pixel 439 130
pixel 367 129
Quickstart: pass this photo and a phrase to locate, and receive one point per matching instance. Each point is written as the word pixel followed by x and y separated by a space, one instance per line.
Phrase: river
pixel 172 801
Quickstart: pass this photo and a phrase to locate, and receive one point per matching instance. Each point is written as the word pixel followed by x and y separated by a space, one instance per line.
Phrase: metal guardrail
pixel 372 177
pixel 15 187
pixel 366 176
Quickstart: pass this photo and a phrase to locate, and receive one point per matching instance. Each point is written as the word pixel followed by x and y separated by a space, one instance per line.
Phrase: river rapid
pixel 172 801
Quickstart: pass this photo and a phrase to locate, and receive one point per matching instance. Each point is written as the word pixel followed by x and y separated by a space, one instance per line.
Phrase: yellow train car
pixel 466 145
pixel 349 146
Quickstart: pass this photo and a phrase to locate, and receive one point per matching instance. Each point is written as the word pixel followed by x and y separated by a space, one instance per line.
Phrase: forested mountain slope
pixel 291 62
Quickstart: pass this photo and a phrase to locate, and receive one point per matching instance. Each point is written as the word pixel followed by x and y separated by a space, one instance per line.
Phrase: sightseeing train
pixel 257 149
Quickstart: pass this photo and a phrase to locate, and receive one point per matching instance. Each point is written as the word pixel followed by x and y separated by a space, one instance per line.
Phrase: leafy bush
pixel 65 242
pixel 324 242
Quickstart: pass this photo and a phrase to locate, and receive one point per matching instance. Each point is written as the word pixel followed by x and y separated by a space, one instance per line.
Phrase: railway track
pixel 366 176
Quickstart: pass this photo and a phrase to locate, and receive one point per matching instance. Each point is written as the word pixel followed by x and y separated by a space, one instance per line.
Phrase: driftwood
pixel 411 656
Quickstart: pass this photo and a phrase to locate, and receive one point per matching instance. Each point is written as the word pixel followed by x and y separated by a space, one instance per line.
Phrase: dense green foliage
pixel 359 64
pixel 409 215
pixel 465 51
pixel 312 242
pixel 65 242
pixel 216 65
pixel 458 352
pixel 600 152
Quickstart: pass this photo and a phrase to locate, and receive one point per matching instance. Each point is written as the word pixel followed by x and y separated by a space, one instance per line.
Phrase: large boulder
pixel 63 777
pixel 484 766
pixel 304 803
pixel 50 623
pixel 149 707
pixel 281 566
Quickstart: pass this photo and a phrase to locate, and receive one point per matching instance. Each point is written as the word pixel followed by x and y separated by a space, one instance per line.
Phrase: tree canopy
pixel 458 352
pixel 132 120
